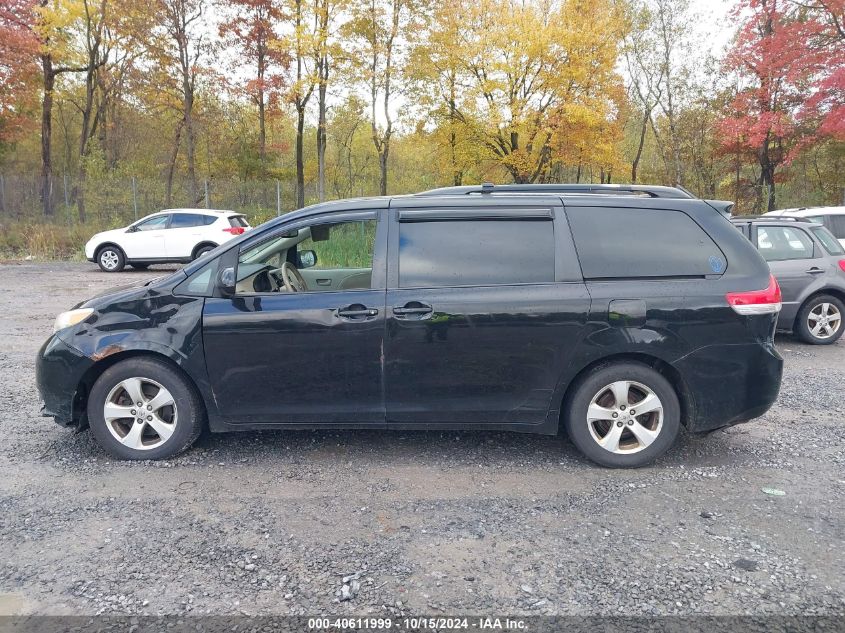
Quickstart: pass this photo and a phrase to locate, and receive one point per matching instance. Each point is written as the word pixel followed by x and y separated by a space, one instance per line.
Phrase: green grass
pixel 350 245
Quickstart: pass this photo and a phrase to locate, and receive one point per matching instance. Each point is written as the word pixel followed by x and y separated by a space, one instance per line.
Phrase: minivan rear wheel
pixel 819 321
pixel 623 415
pixel 141 408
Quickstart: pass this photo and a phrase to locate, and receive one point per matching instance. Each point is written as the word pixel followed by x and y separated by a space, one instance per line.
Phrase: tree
pixel 772 59
pixel 183 47
pixel 534 66
pixel 646 71
pixel 325 51
pixel 57 57
pixel 375 29
pixel 827 103
pixel 251 28
pixel 18 70
pixel 436 67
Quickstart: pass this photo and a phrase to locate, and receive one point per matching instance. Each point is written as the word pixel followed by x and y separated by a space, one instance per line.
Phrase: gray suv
pixel 809 264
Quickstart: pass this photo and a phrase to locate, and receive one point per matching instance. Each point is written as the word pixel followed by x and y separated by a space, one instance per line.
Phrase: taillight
pixel 234 230
pixel 842 264
pixel 757 301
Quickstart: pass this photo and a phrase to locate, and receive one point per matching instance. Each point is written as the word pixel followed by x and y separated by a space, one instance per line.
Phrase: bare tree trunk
pixel 300 161
pixel 636 162
pixel 171 166
pixel 321 134
pixel 49 78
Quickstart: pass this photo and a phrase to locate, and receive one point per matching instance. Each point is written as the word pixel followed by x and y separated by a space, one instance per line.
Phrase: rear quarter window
pixel 618 243
pixel 830 243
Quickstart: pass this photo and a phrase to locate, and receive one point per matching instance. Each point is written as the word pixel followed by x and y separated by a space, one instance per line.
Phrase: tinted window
pixel 185 220
pixel 830 243
pixel 238 220
pixel 476 253
pixel 614 243
pixel 779 243
pixel 208 219
pixel 158 222
pixel 836 223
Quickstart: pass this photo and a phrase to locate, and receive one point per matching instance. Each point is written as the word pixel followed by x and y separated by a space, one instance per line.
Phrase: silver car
pixel 809 264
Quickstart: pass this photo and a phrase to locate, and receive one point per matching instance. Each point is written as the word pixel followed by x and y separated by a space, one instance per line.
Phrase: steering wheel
pixel 292 279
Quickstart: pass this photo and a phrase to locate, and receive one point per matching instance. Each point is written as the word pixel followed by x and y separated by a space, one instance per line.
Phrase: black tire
pixel 140 266
pixel 593 386
pixel 111 259
pixel 203 250
pixel 188 410
pixel 802 320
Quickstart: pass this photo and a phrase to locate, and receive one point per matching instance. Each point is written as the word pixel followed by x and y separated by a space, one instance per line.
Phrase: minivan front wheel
pixel 819 321
pixel 623 415
pixel 142 408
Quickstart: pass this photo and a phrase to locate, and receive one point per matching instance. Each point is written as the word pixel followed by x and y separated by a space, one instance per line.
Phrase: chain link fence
pixel 115 200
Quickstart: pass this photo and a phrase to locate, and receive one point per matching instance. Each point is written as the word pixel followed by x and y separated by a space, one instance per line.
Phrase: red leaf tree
pixel 776 66
pixel 827 103
pixel 18 67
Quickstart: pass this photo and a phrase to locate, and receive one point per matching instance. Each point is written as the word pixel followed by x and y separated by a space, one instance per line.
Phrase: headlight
pixel 71 317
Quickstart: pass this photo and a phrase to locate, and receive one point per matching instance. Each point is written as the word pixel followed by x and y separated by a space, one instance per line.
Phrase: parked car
pixel 832 217
pixel 170 236
pixel 617 313
pixel 809 264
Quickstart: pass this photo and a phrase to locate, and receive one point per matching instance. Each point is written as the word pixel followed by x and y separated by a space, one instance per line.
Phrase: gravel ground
pixel 413 523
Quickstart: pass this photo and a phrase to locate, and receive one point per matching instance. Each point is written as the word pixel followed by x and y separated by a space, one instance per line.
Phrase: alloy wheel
pixel 625 417
pixel 109 259
pixel 140 413
pixel 824 320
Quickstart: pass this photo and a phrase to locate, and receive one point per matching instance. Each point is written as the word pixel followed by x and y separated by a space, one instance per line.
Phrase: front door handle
pixel 814 271
pixel 356 312
pixel 413 309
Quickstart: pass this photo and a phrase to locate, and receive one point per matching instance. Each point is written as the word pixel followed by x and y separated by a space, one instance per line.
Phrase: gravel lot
pixel 429 523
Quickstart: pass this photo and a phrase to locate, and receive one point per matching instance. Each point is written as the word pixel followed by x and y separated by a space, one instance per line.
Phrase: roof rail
pixel 773 218
pixel 652 191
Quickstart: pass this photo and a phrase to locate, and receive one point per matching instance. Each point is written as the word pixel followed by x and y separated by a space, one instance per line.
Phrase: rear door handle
pixel 413 309
pixel 814 271
pixel 356 312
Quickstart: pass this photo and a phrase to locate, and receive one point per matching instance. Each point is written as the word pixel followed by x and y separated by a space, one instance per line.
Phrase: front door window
pixel 329 256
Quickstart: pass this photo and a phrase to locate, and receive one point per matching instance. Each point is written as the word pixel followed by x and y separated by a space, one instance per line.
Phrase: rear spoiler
pixel 725 207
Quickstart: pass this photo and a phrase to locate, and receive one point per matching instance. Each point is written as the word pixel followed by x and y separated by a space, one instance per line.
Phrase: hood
pixel 133 291
pixel 108 235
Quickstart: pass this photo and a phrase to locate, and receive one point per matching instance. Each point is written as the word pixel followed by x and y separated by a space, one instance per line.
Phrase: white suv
pixel 832 217
pixel 170 236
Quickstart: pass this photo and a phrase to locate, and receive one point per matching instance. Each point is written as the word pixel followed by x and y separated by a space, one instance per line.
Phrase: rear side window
pixel 642 243
pixel 780 243
pixel 476 253
pixel 186 220
pixel 238 220
pixel 836 223
pixel 830 243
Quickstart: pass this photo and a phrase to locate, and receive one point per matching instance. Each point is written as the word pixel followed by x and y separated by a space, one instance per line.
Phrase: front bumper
pixel 729 384
pixel 59 370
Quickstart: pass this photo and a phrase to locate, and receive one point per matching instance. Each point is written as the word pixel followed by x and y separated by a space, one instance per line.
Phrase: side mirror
pixel 132 229
pixel 306 259
pixel 226 282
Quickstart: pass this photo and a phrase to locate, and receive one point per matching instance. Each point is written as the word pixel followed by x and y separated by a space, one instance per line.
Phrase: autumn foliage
pixel 108 105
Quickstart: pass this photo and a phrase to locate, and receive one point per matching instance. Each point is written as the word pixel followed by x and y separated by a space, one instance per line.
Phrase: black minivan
pixel 616 312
